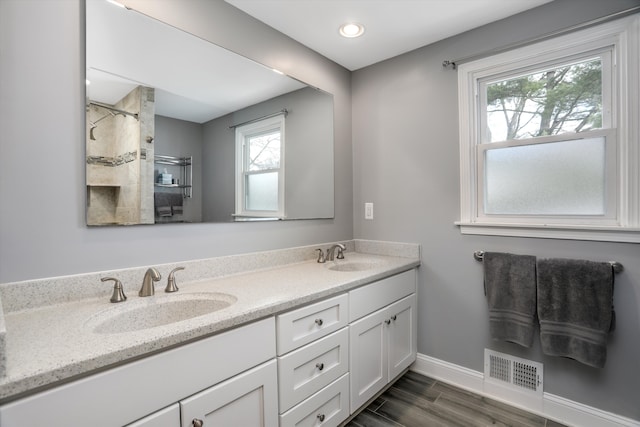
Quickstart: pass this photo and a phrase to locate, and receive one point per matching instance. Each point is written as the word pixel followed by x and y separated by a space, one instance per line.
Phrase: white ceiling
pixel 392 27
pixel 194 80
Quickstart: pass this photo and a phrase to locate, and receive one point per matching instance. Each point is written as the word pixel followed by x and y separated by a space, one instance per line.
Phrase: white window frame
pixel 276 123
pixel 622 224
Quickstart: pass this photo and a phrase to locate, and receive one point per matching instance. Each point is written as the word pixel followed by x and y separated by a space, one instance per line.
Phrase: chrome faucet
pixel 331 251
pixel 150 276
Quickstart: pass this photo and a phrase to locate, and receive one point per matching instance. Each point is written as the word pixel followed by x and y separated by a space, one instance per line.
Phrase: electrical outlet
pixel 368 211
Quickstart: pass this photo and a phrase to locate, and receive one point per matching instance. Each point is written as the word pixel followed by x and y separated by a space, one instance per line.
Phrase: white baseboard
pixel 551 406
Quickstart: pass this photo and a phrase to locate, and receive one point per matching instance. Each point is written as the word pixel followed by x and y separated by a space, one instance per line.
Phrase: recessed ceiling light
pixel 351 29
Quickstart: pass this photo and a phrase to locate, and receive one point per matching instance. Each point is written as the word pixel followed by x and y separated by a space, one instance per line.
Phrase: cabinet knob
pixel 197 423
pixel 319 322
pixel 393 317
pixel 387 322
pixel 320 366
pixel 320 417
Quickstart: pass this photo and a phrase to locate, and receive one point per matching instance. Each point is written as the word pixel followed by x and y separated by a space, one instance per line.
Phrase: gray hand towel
pixel 162 204
pixel 175 200
pixel 575 308
pixel 510 286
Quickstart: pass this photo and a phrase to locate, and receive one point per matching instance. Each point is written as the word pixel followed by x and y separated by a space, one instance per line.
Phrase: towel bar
pixel 617 267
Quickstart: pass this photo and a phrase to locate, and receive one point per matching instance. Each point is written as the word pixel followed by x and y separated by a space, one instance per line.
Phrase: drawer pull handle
pixel 387 322
pixel 393 317
pixel 320 417
pixel 320 366
pixel 197 423
pixel 319 322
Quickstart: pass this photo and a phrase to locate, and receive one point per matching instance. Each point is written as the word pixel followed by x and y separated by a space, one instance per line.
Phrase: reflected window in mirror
pixel 260 168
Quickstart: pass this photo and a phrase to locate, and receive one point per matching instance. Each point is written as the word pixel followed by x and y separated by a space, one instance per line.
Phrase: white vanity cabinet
pixel 382 335
pixel 167 417
pixel 313 364
pixel 222 365
pixel 248 399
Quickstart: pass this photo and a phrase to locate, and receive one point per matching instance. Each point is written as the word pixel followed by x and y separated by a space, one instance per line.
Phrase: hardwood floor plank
pixel 415 383
pixel 551 423
pixel 368 418
pixel 418 401
pixel 463 400
pixel 411 410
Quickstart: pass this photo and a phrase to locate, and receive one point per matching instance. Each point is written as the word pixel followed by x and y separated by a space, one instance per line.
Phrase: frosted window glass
pixel 262 192
pixel 562 178
pixel 264 151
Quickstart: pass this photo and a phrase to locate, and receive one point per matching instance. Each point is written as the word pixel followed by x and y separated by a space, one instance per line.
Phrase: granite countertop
pixel 47 345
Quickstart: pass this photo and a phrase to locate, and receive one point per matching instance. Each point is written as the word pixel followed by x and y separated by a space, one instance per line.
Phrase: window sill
pixel 601 234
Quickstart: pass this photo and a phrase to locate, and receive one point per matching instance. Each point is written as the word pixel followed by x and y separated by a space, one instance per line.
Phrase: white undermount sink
pixel 150 312
pixel 352 265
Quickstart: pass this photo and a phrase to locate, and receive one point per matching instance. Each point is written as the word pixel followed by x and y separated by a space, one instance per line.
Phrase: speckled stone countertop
pixel 47 344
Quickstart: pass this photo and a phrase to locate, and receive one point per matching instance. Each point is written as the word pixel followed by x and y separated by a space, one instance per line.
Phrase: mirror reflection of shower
pixel 111 112
pixel 119 159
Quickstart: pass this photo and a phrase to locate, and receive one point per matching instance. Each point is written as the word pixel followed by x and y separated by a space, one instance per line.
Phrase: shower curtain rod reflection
pixel 283 111
pixel 108 107
pixel 617 267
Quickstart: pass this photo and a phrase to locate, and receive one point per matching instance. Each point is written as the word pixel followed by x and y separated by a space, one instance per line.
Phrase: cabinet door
pixel 248 399
pixel 403 335
pixel 167 417
pixel 368 357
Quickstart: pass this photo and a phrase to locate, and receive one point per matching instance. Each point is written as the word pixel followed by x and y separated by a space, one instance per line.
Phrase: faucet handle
pixel 341 252
pixel 171 280
pixel 118 291
pixel 321 258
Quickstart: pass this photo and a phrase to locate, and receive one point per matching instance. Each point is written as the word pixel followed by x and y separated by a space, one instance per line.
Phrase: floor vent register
pixel 512 372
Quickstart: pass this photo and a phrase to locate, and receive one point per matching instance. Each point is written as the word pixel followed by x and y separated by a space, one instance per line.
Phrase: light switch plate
pixel 368 211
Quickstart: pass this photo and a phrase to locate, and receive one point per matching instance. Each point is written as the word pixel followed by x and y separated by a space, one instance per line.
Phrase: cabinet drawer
pixel 299 327
pixel 329 407
pixel 370 298
pixel 310 368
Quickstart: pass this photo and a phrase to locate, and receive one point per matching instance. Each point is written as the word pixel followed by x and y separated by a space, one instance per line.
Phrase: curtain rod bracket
pixel 448 63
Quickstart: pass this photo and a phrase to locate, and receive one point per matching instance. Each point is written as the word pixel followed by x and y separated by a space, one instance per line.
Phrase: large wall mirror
pixel 182 130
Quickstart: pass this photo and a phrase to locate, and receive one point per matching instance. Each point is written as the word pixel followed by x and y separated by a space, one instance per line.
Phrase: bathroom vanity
pixel 300 343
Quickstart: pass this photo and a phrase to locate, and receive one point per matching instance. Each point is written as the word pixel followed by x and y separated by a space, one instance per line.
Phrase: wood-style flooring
pixel 418 401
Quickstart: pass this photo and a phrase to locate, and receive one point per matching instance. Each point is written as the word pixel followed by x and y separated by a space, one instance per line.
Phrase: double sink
pixel 166 309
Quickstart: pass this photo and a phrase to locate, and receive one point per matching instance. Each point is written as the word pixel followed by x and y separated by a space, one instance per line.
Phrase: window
pixel 548 142
pixel 260 169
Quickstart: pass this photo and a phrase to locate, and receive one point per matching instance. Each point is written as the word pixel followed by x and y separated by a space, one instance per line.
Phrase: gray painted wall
pixel 405 141
pixel 308 156
pixel 180 138
pixel 42 205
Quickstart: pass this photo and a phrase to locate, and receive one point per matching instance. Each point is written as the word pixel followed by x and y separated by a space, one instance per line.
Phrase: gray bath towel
pixel 168 204
pixel 510 286
pixel 575 308
pixel 161 202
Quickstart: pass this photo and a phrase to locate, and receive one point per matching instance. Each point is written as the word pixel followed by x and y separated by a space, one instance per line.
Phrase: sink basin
pixel 145 313
pixel 352 266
